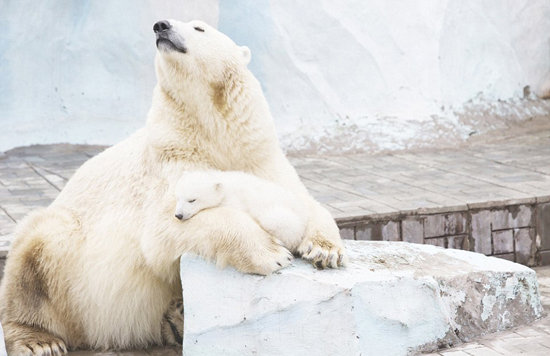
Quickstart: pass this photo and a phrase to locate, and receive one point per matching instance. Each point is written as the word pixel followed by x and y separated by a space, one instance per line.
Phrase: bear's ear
pixel 218 187
pixel 247 55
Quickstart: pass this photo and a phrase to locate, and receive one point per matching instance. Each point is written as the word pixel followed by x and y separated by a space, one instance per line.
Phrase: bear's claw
pixel 323 253
pixel 25 340
pixel 54 347
pixel 274 258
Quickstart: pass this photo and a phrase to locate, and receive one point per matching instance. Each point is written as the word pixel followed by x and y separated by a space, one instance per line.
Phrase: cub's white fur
pixel 276 209
pixel 99 266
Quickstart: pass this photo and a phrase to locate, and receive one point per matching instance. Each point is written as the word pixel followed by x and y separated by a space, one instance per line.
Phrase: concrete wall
pixel 80 71
pixel 339 76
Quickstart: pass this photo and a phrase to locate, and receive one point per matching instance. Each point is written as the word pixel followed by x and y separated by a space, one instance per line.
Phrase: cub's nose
pixel 161 26
pixel 179 216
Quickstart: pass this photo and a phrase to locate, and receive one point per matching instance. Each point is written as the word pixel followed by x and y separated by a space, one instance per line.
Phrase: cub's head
pixel 197 191
pixel 194 51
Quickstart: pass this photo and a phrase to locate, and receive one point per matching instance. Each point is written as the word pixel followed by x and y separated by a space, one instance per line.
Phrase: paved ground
pixel 507 168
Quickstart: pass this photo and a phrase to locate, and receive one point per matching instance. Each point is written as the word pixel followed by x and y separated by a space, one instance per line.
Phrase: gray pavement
pixel 508 168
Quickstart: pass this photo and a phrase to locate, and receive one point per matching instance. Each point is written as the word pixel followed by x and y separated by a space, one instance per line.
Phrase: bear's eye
pixel 191 200
pixel 199 29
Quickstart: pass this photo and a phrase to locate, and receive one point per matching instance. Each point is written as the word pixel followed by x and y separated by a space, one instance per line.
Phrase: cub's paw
pixel 270 258
pixel 323 252
pixel 172 323
pixel 40 344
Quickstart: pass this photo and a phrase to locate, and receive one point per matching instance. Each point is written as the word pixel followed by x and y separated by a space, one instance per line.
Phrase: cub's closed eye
pixel 191 200
pixel 199 29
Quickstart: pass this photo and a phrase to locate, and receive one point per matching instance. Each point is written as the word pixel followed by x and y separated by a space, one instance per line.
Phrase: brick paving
pixel 490 196
pixel 453 197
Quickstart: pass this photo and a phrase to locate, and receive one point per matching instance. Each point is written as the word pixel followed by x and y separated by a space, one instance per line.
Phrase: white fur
pixel 115 266
pixel 276 209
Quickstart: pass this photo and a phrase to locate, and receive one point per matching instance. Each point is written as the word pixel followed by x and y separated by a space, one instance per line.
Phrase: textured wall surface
pixel 80 71
pixel 348 76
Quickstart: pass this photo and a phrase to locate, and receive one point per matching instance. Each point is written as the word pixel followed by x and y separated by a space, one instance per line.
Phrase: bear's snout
pixel 167 38
pixel 179 216
pixel 161 26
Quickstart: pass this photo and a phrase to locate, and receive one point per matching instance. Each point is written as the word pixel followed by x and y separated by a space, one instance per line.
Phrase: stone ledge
pixel 517 232
pixel 393 299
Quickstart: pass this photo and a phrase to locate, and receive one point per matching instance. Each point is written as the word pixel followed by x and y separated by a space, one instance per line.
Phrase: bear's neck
pixel 226 123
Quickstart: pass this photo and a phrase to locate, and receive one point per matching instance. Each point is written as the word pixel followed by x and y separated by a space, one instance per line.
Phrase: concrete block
pixel 437 241
pixel 347 233
pixel 500 219
pixel 434 225
pixel 506 256
pixel 521 216
pixel 525 246
pixel 380 230
pixel 503 242
pixel 413 230
pixel 392 299
pixel 512 217
pixel 391 231
pixel 444 225
pixel 543 225
pixel 481 232
pixel 456 242
pixel 364 233
pixel 544 258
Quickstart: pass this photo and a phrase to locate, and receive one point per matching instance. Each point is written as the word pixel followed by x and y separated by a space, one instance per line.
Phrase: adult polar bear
pixel 98 268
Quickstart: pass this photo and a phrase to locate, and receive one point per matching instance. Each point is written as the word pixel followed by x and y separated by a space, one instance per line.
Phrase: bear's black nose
pixel 179 216
pixel 161 26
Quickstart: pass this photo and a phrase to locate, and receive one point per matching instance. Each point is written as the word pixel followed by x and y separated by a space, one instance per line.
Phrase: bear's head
pixel 196 191
pixel 194 52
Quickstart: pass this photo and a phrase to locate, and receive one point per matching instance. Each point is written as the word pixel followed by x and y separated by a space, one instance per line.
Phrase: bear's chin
pixel 164 44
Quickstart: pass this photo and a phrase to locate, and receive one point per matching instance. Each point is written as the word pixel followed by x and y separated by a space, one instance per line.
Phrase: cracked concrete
pixel 393 299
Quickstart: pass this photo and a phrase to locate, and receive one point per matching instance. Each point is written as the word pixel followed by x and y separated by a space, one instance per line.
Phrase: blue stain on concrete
pixel 5 73
pixel 81 9
pixel 249 23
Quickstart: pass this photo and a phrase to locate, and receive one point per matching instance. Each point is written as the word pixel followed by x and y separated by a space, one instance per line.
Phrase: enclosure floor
pixel 507 168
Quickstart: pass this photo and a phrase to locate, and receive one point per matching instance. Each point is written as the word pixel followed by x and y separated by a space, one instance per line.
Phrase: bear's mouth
pixel 167 44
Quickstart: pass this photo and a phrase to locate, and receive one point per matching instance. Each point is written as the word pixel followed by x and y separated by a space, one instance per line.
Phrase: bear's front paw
pixel 39 344
pixel 323 252
pixel 272 258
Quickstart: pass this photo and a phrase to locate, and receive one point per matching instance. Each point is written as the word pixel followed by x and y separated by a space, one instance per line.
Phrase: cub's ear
pixel 218 187
pixel 247 55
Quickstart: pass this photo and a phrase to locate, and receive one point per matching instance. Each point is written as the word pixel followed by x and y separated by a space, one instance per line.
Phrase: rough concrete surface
pixel 394 299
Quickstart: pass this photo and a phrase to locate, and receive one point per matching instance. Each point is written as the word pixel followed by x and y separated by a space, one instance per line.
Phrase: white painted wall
pixel 340 76
pixel 81 71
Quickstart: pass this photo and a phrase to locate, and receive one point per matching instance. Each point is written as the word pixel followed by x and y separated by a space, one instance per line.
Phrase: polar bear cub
pixel 276 209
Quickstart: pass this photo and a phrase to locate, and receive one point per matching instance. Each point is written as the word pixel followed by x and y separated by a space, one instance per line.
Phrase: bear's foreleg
pixel 321 244
pixel 223 235
pixel 36 317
